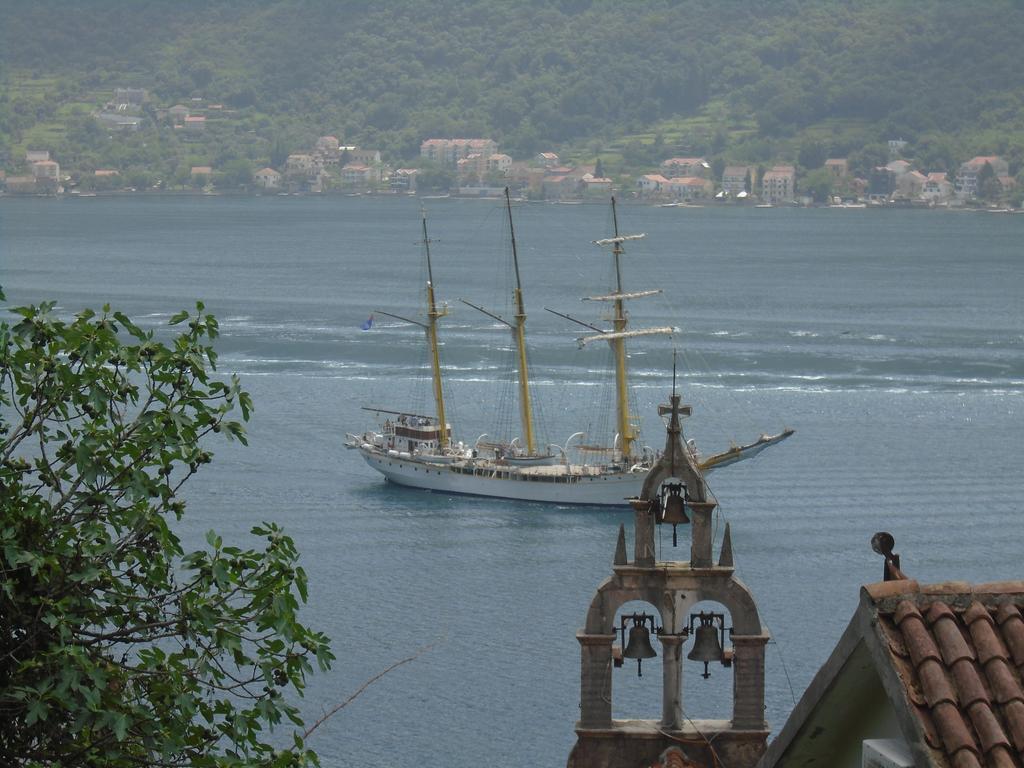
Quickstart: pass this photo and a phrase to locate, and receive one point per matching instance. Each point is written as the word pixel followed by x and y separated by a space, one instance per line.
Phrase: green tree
pixel 818 184
pixel 278 153
pixel 236 173
pixel 812 154
pixel 117 648
pixel 717 168
pixel 139 178
pixel 433 177
pixel 989 187
pixel 865 159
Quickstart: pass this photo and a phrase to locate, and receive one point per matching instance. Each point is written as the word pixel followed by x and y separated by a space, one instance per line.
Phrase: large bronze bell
pixel 706 645
pixel 639 646
pixel 673 507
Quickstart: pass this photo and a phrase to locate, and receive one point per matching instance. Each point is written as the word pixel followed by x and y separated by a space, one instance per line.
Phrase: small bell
pixel 673 507
pixel 706 645
pixel 639 646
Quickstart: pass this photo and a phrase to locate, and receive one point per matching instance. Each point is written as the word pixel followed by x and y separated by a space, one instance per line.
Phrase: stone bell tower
pixel 673 491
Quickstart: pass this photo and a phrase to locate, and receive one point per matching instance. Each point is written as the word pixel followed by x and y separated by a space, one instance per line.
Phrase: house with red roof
pixel 967 175
pixel 925 676
pixel 267 178
pixel 937 188
pixel 685 166
pixel 450 151
pixel 546 159
pixel 689 188
pixel 651 184
pixel 779 184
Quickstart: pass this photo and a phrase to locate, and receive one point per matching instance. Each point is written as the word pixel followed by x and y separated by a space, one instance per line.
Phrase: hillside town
pixel 475 167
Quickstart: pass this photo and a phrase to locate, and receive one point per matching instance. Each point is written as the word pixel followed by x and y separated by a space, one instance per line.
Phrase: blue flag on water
pixel 368 324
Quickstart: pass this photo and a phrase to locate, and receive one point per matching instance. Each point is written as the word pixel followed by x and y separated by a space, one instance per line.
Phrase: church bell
pixel 707 646
pixel 639 646
pixel 673 507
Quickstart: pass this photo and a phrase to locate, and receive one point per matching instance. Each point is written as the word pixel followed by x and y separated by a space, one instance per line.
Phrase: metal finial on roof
pixel 882 543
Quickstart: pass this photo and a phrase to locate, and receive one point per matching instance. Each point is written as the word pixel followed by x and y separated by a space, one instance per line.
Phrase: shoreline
pixel 890 205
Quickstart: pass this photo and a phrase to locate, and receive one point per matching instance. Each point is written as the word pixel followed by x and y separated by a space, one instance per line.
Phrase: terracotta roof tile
pixel 1004 684
pixel 946 588
pixel 924 716
pixel 983 633
pixel 965 759
pixel 969 685
pixel 952 644
pixel 1001 758
pixel 986 725
pixel 1013 713
pixel 958 651
pixel 915 634
pixel 949 722
pixel 884 589
pixel 1012 626
pixel 999 588
pixel 934 683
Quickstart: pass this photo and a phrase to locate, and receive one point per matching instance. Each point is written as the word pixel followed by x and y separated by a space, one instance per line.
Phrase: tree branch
pixel 334 710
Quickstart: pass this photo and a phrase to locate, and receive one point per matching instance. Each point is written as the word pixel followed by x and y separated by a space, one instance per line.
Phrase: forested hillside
pixel 751 79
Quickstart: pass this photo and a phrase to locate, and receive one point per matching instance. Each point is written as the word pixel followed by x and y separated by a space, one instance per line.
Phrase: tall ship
pixel 419 450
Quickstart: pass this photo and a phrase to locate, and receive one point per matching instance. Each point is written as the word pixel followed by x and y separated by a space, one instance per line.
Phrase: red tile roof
pixel 959 652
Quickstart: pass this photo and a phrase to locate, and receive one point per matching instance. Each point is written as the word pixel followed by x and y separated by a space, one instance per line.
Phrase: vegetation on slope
pixel 762 77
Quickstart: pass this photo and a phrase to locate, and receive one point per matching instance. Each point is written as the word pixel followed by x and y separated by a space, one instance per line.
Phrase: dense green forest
pixel 751 81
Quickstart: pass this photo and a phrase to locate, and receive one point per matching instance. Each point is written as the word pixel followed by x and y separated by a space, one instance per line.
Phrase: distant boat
pixel 419 450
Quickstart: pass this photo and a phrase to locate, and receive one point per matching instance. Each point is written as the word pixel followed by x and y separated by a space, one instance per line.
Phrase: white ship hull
pixel 559 485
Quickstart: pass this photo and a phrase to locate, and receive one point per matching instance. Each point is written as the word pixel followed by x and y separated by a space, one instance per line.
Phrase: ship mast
pixel 627 430
pixel 525 412
pixel 518 329
pixel 616 338
pixel 433 315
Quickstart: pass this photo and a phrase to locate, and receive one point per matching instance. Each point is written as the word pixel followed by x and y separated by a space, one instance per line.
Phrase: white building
pixel 651 184
pixel 779 184
pixel 967 176
pixel 937 188
pixel 267 178
pixel 450 151
pixel 736 177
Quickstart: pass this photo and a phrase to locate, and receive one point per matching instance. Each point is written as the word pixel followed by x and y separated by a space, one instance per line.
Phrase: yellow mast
pixel 519 331
pixel 433 315
pixel 616 338
pixel 519 334
pixel 627 433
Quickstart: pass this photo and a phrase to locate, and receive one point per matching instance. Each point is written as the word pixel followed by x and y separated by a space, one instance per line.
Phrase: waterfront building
pixel 685 166
pixel 779 184
pixel 739 178
pixel 450 151
pixel 967 176
pixel 267 178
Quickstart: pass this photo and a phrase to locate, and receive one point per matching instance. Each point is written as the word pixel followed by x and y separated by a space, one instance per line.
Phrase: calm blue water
pixel 892 342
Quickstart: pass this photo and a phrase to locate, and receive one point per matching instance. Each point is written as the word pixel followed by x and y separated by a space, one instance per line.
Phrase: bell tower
pixel 674 493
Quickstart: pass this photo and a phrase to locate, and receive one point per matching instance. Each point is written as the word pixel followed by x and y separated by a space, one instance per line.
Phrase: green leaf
pixel 37 711
pixel 91 566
